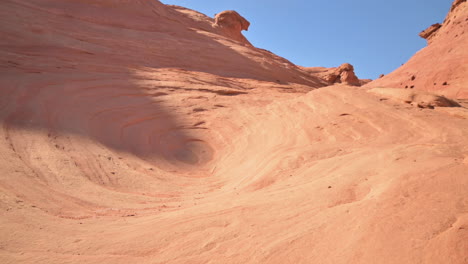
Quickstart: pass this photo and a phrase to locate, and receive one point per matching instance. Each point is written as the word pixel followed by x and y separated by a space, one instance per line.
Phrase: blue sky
pixel 376 36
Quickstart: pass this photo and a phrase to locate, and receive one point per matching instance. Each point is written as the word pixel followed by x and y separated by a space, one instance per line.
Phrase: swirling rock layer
pixel 132 132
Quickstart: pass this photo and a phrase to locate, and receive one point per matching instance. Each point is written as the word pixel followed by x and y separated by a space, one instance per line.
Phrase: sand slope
pixel 134 132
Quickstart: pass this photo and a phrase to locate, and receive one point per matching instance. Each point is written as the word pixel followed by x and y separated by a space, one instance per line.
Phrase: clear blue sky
pixel 376 36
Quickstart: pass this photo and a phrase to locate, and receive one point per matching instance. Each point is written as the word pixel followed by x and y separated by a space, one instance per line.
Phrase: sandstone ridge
pixel 442 66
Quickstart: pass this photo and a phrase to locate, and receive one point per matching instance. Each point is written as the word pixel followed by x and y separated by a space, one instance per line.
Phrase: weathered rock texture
pixel 430 32
pixel 442 66
pixel 420 99
pixel 343 74
pixel 135 132
pixel 232 24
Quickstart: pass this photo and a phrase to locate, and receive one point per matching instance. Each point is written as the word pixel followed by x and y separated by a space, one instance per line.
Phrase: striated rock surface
pixel 135 132
pixel 442 66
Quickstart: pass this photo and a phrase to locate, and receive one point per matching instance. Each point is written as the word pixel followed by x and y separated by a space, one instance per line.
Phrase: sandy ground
pixel 164 142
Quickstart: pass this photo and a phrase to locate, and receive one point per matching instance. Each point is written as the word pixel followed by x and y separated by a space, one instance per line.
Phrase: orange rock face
pixel 442 66
pixel 430 32
pixel 232 25
pixel 135 132
pixel 343 74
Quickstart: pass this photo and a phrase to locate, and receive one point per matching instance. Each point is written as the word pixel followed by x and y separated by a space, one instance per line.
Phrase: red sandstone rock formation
pixel 442 66
pixel 343 74
pixel 430 32
pixel 232 24
pixel 347 75
pixel 135 132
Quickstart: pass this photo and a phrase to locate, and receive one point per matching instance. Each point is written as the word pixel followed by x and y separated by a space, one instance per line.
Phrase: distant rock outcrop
pixel 231 24
pixel 428 33
pixel 343 74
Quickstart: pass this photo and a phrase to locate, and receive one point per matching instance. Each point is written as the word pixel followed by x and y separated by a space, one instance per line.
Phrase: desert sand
pixel 137 132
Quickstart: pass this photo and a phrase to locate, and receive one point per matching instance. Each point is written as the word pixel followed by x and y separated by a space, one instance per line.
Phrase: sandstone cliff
pixel 442 66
